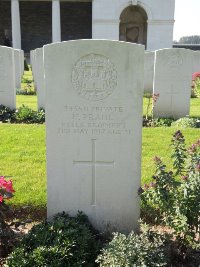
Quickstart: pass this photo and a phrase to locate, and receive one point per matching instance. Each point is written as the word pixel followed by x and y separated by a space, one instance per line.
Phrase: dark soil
pixel 18 223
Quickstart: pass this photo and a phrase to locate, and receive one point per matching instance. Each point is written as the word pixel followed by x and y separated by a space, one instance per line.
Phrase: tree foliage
pixel 193 39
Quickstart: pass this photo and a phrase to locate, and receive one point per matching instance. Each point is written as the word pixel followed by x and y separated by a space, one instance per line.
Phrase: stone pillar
pixel 159 34
pixel 56 27
pixel 16 28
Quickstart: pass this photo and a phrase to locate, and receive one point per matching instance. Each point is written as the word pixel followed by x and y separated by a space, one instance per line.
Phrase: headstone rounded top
pixel 94 77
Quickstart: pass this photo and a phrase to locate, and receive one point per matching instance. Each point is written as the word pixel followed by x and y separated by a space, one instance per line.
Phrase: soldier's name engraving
pixel 96 120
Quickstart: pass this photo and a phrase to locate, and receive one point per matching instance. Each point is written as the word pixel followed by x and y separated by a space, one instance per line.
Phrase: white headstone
pixel 7 77
pixel 94 129
pixel 172 80
pixel 18 66
pixel 39 73
pixel 149 72
pixel 196 61
pixel 33 67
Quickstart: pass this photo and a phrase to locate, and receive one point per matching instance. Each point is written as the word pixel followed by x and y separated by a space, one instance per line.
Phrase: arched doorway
pixel 133 25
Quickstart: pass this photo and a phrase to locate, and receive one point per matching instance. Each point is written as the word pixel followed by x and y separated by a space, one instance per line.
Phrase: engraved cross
pixel 93 163
pixel 172 93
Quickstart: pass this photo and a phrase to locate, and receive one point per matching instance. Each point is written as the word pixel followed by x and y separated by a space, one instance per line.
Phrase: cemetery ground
pixel 23 159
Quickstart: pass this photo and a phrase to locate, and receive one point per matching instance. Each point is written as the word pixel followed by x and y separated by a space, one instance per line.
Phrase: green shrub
pixel 28 88
pixel 26 115
pixel 26 91
pixel 187 123
pixel 174 195
pixel 146 249
pixel 22 115
pixel 158 122
pixel 65 241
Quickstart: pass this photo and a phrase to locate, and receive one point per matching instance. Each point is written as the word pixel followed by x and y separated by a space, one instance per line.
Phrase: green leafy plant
pixel 187 123
pixel 148 119
pixel 146 249
pixel 22 115
pixel 196 84
pixel 27 87
pixel 65 241
pixel 174 196
pixel 27 115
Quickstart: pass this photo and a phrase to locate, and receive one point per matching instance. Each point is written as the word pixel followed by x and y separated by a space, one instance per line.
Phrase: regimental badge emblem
pixel 94 77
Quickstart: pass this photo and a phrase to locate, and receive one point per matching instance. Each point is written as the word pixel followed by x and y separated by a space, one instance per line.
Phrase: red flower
pixel 195 76
pixel 6 185
pixel 9 187
pixel 2 181
pixel 1 199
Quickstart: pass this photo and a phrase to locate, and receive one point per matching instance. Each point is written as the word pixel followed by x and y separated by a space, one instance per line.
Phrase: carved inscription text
pixel 95 120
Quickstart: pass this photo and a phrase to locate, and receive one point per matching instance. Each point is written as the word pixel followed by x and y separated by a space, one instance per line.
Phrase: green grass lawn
pixel 22 157
pixel 27 100
pixel 194 107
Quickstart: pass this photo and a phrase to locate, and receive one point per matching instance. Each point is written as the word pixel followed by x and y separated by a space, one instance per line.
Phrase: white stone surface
pixel 172 80
pixel 196 61
pixel 7 77
pixel 16 28
pixel 149 72
pixel 40 78
pixel 56 27
pixel 106 19
pixel 33 67
pixel 17 56
pixel 94 93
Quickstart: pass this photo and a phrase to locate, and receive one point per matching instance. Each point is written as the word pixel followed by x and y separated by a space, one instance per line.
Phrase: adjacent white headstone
pixel 7 77
pixel 39 73
pixel 149 72
pixel 94 130
pixel 172 80
pixel 33 67
pixel 196 61
pixel 18 67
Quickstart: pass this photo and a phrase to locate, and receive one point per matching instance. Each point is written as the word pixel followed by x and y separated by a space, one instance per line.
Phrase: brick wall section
pixel 5 19
pixel 76 20
pixel 36 22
